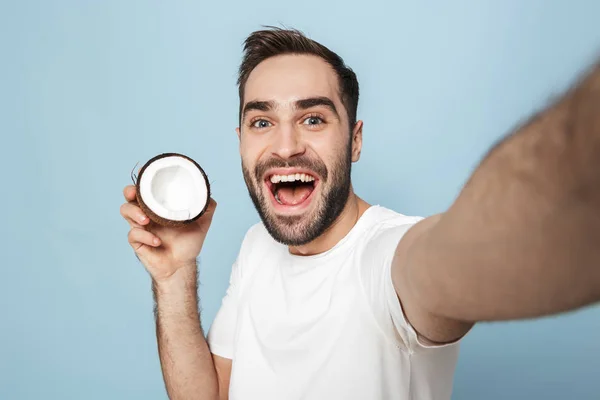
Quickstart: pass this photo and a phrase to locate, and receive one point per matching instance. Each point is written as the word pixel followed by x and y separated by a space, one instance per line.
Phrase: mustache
pixel 315 165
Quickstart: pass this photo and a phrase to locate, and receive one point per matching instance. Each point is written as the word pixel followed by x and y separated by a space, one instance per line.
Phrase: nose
pixel 287 142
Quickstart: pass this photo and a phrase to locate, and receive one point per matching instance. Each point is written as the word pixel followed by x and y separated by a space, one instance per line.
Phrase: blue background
pixel 90 88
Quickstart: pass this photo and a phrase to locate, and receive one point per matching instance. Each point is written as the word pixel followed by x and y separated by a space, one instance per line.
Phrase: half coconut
pixel 172 189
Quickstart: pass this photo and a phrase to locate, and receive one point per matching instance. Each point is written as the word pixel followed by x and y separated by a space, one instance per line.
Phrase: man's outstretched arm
pixel 523 238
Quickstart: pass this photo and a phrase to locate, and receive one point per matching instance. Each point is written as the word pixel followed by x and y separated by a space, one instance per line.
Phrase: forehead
pixel 290 77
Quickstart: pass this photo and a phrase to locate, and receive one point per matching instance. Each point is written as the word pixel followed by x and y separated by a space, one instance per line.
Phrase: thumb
pixel 209 213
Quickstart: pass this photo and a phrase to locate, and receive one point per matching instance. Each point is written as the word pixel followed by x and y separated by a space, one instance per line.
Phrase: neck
pixel 353 210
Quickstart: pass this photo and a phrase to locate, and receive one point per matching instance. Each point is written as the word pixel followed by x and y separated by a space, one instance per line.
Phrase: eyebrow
pixel 259 106
pixel 302 104
pixel 317 101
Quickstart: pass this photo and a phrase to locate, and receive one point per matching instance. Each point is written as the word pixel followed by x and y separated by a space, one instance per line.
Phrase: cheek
pixel 329 149
pixel 247 155
pixel 251 149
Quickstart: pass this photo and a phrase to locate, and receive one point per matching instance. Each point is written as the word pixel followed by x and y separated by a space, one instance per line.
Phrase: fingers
pixel 129 193
pixel 134 215
pixel 139 237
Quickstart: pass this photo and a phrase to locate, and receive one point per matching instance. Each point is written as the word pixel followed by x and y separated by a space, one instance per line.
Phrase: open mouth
pixel 291 189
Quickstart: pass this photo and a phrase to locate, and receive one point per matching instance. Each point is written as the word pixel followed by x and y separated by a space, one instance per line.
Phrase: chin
pixel 292 230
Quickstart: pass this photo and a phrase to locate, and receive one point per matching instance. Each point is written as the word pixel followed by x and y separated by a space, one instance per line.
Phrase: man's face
pixel 296 146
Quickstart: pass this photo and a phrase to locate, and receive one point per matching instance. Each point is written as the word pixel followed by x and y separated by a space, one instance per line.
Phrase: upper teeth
pixel 291 178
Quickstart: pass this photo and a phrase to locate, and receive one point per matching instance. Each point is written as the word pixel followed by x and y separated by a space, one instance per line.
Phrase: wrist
pixel 184 279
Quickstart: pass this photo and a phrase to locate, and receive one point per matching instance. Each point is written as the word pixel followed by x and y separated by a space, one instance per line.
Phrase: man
pixel 332 298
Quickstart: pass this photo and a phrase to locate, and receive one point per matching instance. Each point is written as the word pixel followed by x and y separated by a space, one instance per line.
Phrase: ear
pixel 357 141
pixel 239 135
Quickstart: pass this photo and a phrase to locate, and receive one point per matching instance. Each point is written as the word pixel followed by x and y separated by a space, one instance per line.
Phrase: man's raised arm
pixel 169 255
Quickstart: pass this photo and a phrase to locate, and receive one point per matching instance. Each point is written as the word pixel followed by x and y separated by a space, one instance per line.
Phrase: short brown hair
pixel 271 42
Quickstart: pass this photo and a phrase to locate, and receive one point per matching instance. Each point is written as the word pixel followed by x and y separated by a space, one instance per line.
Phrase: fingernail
pixel 156 241
pixel 142 218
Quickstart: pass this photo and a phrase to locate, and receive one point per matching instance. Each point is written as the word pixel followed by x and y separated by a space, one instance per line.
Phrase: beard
pixel 299 230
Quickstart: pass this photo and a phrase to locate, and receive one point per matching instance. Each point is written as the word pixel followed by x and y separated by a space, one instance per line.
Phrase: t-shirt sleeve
pixel 376 275
pixel 221 334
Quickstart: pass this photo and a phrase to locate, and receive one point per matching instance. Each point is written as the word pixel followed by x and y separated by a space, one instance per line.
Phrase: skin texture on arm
pixel 523 238
pixel 223 368
pixel 190 371
pixel 432 328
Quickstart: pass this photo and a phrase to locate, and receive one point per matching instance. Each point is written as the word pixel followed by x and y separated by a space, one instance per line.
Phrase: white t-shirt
pixel 327 326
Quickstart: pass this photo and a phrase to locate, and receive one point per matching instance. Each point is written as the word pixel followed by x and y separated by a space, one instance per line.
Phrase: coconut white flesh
pixel 174 188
